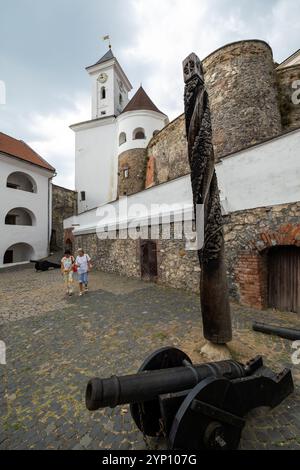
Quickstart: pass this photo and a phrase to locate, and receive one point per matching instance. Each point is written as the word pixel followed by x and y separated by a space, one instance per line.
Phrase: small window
pixel 126 172
pixel 122 138
pixel 82 195
pixel 103 113
pixel 103 93
pixel 138 134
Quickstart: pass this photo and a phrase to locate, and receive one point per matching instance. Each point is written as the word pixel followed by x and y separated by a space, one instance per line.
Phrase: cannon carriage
pixel 195 407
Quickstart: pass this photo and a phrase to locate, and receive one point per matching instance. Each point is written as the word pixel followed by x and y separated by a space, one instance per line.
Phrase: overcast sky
pixel 46 45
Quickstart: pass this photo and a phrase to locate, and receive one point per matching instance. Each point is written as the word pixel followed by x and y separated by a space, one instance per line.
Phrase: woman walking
pixel 83 263
pixel 67 267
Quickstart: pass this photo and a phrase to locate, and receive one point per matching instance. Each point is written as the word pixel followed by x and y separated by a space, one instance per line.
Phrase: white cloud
pixel 166 31
pixel 55 141
pixel 163 33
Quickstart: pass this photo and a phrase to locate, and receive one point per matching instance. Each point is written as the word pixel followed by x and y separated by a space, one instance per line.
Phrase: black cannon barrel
pixel 147 385
pixel 288 333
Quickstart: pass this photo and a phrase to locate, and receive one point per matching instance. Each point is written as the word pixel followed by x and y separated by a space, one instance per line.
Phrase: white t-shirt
pixel 83 263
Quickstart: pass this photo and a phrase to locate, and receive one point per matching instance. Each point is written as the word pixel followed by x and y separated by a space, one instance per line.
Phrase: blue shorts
pixel 83 278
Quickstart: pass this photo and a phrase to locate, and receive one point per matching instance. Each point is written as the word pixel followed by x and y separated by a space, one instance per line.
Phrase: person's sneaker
pixel 80 294
pixel 86 289
pixel 70 294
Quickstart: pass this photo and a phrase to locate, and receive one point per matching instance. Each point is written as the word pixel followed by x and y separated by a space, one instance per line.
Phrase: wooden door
pixel 148 260
pixel 284 278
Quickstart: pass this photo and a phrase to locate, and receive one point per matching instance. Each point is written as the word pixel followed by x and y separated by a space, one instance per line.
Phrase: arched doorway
pixel 18 253
pixel 69 245
pixel 284 278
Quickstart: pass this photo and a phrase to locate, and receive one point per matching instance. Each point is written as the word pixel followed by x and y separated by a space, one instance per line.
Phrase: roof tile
pixel 19 149
pixel 141 101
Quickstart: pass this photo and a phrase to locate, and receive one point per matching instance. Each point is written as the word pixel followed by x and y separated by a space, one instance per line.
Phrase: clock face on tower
pixel 102 77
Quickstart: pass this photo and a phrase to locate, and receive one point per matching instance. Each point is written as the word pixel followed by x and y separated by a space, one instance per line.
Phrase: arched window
pixel 138 133
pixel 122 138
pixel 21 181
pixel 19 216
pixel 103 93
pixel 120 99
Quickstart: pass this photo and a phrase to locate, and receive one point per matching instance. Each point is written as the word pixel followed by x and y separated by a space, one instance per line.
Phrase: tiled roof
pixel 19 149
pixel 141 101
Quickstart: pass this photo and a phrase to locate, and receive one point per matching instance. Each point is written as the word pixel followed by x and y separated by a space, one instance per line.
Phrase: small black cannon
pixel 193 406
pixel 44 265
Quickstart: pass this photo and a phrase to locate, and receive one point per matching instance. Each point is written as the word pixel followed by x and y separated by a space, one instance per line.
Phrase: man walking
pixel 83 263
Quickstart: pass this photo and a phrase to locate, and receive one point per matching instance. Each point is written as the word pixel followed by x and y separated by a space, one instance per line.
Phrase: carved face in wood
pixel 192 67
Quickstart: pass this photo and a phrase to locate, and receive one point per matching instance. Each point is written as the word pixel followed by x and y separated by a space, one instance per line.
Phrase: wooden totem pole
pixel 213 282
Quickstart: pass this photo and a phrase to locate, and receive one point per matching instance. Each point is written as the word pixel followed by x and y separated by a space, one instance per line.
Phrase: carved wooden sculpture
pixel 213 283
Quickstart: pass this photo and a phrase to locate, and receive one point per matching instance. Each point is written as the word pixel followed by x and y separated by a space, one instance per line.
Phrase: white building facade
pixel 116 125
pixel 25 208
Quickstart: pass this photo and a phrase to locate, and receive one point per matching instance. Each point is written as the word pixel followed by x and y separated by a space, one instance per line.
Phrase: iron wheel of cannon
pixel 147 415
pixel 209 418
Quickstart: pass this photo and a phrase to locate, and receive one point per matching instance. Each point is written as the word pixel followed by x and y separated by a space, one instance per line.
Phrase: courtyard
pixel 54 344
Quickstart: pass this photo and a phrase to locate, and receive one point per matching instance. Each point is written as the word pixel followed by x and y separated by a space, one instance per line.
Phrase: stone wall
pixel 241 84
pixel 112 256
pixel 167 154
pixel 177 267
pixel 290 112
pixel 245 109
pixel 64 204
pixel 132 171
pixel 248 236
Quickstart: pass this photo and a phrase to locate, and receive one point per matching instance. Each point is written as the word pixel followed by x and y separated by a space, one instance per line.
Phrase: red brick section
pixel 150 173
pixel 286 234
pixel 251 269
pixel 68 235
pixel 251 275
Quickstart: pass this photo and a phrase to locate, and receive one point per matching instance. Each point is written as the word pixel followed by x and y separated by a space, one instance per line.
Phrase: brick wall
pixel 248 237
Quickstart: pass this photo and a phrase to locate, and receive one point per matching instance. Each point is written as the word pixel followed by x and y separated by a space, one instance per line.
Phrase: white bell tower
pixel 110 87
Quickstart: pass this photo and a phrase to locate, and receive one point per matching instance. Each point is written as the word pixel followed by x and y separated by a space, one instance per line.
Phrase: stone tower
pixel 137 124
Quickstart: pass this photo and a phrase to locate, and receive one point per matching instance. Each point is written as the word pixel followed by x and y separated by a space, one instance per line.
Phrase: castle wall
pixel 241 84
pixel 248 236
pixel 167 154
pixel 288 96
pixel 64 204
pixel 132 171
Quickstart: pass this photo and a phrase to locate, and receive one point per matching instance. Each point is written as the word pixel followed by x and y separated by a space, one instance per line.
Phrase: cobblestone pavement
pixel 55 344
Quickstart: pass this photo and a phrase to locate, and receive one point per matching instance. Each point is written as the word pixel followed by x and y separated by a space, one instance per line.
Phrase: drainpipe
pixel 50 210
